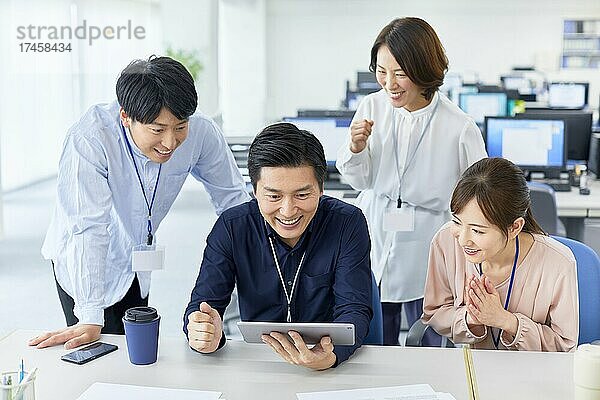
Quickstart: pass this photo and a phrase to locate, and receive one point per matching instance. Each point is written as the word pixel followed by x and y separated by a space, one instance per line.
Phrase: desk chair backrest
pixel 375 335
pixel 588 281
pixel 543 206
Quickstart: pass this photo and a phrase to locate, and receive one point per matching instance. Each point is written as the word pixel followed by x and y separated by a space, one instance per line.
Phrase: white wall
pixel 43 94
pixel 242 65
pixel 313 46
pixel 36 104
pixel 193 25
pixel 263 59
pixel 99 65
pixel 49 91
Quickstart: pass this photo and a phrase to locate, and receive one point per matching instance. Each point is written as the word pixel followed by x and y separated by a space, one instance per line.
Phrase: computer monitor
pixel 485 88
pixel 454 93
pixel 532 144
pixel 353 99
pixel 366 81
pixel 579 127
pixel 481 105
pixel 520 83
pixel 451 81
pixel 325 113
pixel 331 132
pixel 568 94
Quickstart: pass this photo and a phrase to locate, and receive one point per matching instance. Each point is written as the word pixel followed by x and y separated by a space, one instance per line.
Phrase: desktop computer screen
pixel 366 80
pixel 353 99
pixel 568 95
pixel 481 105
pixel 532 144
pixel 454 93
pixel 520 83
pixel 451 81
pixel 325 113
pixel 578 125
pixel 331 132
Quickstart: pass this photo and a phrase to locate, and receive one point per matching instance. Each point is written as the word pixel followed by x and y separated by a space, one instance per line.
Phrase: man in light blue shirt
pixel 121 163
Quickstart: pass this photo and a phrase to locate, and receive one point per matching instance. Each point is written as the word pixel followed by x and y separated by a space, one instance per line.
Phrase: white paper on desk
pixel 103 391
pixel 445 396
pixel 408 392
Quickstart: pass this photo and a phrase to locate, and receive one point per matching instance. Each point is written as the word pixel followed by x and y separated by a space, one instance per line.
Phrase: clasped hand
pixel 483 303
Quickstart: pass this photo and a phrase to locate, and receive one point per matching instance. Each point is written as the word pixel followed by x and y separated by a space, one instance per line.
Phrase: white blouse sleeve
pixel 357 168
pixel 472 148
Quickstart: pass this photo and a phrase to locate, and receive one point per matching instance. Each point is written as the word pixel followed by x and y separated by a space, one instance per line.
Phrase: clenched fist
pixel 205 329
pixel 359 133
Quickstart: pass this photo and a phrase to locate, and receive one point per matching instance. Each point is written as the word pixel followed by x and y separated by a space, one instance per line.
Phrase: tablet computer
pixel 341 334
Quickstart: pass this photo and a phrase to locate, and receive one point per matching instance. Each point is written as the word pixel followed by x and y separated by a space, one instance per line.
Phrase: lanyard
pixel 412 157
pixel 288 296
pixel 149 205
pixel 510 286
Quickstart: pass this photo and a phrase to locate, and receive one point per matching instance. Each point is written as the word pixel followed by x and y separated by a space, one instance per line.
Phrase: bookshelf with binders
pixel 581 43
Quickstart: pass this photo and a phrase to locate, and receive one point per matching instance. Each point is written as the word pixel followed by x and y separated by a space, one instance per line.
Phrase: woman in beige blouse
pixel 495 279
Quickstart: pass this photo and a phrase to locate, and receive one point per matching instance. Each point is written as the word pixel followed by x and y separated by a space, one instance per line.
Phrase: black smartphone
pixel 89 353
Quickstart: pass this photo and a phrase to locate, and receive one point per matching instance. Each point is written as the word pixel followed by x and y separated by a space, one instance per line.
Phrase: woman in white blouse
pixel 407 147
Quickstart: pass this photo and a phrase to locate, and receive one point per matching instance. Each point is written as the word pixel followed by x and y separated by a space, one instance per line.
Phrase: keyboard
pixel 350 194
pixel 337 185
pixel 560 186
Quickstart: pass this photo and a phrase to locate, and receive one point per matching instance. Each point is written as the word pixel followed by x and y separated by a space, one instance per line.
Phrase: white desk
pixel 243 371
pixel 572 207
pixel 573 204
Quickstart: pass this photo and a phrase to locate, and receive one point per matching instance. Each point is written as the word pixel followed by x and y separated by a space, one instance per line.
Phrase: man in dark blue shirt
pixel 295 255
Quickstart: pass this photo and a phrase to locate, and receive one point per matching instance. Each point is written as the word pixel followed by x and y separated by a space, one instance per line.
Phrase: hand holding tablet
pixel 341 334
pixel 290 340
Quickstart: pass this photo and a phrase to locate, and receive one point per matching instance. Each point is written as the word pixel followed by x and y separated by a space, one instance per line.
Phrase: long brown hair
pixel 501 192
pixel 417 49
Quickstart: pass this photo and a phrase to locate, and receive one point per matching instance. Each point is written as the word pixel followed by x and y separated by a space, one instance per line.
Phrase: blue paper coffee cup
pixel 141 333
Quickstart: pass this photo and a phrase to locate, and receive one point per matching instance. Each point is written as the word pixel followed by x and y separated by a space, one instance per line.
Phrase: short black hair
pixel 284 145
pixel 146 86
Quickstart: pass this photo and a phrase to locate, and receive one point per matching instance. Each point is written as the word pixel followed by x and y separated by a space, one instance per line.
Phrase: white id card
pixel 399 219
pixel 147 258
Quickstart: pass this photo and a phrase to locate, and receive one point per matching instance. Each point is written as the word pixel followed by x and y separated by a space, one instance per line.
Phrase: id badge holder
pixel 399 219
pixel 147 258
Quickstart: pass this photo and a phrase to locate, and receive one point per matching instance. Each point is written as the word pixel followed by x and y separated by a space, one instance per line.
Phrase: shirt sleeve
pixel 561 330
pixel 84 202
pixel 217 170
pixel 352 286
pixel 471 145
pixel 356 168
pixel 216 278
pixel 441 290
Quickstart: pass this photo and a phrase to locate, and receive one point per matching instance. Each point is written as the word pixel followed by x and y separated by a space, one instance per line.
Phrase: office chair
pixel 414 337
pixel 588 282
pixel 375 335
pixel 543 207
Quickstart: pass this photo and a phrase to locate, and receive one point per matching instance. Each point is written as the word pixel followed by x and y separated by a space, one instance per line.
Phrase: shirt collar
pixel 422 111
pixel 136 150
